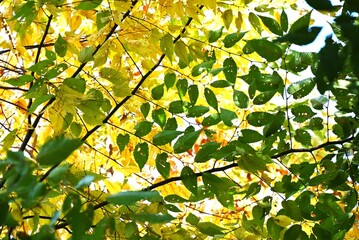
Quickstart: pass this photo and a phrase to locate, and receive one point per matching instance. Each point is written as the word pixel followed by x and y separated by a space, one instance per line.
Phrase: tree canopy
pixel 129 119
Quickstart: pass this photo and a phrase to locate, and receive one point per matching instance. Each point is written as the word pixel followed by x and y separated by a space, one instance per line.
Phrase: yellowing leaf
pixel 167 46
pixel 239 21
pixel 182 52
pixel 227 18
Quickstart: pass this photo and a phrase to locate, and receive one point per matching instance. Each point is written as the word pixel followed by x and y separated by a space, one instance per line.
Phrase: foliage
pixel 177 120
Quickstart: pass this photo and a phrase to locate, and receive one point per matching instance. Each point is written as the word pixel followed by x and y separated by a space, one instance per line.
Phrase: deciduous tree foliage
pixel 177 120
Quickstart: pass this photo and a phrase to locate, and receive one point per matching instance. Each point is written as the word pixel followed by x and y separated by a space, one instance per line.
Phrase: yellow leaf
pixel 182 52
pixel 211 4
pixel 227 18
pixel 239 21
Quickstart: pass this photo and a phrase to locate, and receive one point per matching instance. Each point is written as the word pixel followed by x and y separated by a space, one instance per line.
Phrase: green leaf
pixel 88 4
pixel 27 13
pixel 295 232
pixel 141 154
pixel 85 181
pixel 102 18
pixel 166 136
pixel 182 51
pixel 210 229
pixel 170 79
pixel 253 163
pixel 38 101
pixel 230 70
pixel 173 198
pixel 259 119
pixel 192 219
pixel 302 113
pixel 284 21
pixel 77 84
pixel 131 197
pixel 143 128
pixel 215 35
pixel 56 150
pixel 178 106
pixel 157 92
pixel 204 154
pixel 221 84
pixel 159 117
pixel 211 98
pixel 202 67
pixel 167 46
pixel 303 137
pixel 274 229
pixel 263 97
pixel 112 75
pixel 76 129
pixel 228 116
pixel 299 33
pixel 301 88
pixel 255 22
pixel 193 94
pixel 186 141
pixel 240 99
pixel 41 67
pixel 171 124
pixel 250 136
pixel 86 54
pixel 145 109
pixel 9 139
pixel 253 189
pixel 231 39
pixel 292 210
pixel 189 179
pixel 152 218
pixel 316 123
pixel 212 119
pixel 301 23
pixel 162 166
pixel 197 111
pixel 272 25
pixel 20 81
pixel 266 49
pixel 122 141
pixel 182 86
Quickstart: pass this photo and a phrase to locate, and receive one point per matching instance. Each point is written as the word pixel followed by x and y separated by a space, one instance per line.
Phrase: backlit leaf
pixel 167 46
pixel 231 39
pixel 189 179
pixel 131 197
pixel 266 49
pixel 259 119
pixel 193 93
pixel 141 154
pixel 186 141
pixel 227 18
pixel 86 54
pixel 228 116
pixel 211 98
pixel 215 35
pixel 240 99
pixel 204 154
pixel 230 70
pixel 165 137
pixel 272 25
pixel 143 128
pixel 162 166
